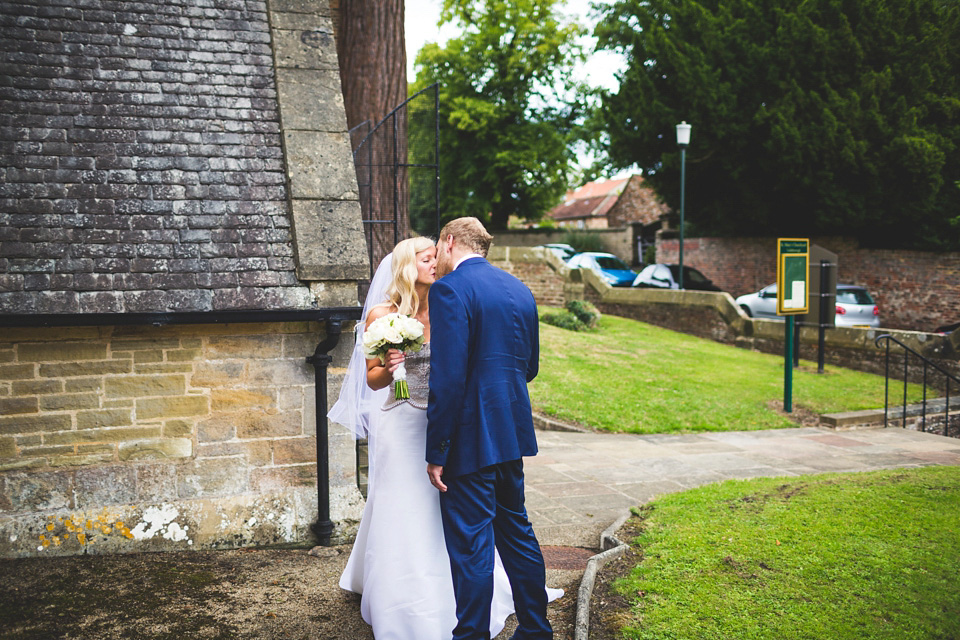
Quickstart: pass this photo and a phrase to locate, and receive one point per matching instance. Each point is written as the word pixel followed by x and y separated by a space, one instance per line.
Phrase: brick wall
pixel 637 203
pixel 161 437
pixel 915 290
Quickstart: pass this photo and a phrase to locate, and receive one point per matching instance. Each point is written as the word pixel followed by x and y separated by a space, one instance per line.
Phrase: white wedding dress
pixel 399 563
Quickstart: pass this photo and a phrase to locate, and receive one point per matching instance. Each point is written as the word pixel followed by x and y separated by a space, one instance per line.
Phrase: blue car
pixel 609 267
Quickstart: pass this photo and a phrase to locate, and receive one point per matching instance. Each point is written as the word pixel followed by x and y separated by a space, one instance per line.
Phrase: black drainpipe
pixel 333 317
pixel 323 527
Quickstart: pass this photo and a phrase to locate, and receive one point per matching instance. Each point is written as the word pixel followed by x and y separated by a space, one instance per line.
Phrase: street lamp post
pixel 683 139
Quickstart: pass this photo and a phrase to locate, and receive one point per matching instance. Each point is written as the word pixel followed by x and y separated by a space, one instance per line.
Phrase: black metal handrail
pixel 927 363
pixel 383 154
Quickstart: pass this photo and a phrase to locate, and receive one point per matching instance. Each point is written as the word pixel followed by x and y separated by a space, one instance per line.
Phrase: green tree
pixel 508 107
pixel 809 117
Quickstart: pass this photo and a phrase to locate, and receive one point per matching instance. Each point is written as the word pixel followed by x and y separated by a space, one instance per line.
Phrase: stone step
pixel 853 419
pixel 868 418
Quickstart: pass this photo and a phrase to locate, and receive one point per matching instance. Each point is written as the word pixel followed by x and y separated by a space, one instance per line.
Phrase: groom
pixel 484 350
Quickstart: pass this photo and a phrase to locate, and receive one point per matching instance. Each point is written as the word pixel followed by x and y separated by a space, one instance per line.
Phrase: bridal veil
pixel 358 404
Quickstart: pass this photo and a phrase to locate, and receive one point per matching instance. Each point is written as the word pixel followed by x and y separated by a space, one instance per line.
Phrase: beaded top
pixel 418 378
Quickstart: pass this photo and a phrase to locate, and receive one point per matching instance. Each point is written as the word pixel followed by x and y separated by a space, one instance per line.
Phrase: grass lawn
pixel 635 377
pixel 838 556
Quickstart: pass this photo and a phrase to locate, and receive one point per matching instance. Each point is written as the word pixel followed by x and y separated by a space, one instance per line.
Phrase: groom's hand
pixel 435 472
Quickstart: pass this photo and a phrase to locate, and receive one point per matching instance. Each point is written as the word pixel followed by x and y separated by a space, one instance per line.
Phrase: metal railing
pixel 926 366
pixel 397 161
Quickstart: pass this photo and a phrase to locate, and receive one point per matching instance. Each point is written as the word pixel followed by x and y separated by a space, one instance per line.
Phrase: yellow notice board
pixel 793 276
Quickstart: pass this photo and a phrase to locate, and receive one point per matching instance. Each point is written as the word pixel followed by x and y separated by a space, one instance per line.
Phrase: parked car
pixel 947 328
pixel 612 269
pixel 667 276
pixel 761 304
pixel 562 251
pixel 855 306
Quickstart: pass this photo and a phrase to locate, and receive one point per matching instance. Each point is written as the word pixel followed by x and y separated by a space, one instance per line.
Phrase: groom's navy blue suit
pixel 484 350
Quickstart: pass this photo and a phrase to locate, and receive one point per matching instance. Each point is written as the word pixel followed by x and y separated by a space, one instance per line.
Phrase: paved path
pixel 581 482
pixel 578 485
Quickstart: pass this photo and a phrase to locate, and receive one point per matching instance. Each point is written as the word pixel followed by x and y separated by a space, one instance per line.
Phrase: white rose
pixel 372 339
pixel 392 335
pixel 409 327
pixel 413 328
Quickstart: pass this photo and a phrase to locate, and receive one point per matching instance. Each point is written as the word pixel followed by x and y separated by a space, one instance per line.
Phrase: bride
pixel 399 561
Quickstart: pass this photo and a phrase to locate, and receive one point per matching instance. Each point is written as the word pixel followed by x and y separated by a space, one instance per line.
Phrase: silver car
pixel 855 306
pixel 562 251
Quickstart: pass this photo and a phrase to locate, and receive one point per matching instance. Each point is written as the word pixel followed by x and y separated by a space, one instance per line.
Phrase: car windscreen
pixel 611 262
pixel 854 296
pixel 689 274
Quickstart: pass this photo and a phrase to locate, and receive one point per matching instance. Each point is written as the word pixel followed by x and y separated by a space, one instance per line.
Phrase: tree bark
pixel 373 60
pixel 373 76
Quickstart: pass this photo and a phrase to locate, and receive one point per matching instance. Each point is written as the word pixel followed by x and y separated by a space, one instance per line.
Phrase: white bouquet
pixel 393 331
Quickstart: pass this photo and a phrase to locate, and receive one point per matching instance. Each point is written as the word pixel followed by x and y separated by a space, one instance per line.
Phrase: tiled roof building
pixel 179 229
pixel 609 203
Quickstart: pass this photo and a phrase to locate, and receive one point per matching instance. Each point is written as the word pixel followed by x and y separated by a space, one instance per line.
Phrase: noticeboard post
pixel 793 291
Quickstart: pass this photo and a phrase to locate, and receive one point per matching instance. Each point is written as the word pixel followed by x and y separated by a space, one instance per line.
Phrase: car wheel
pixel 746 310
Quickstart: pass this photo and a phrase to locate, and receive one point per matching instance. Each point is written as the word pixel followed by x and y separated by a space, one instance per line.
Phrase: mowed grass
pixel 639 378
pixel 840 556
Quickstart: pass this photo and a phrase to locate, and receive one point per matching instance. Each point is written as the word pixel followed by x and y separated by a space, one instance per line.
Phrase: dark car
pixel 947 328
pixel 667 276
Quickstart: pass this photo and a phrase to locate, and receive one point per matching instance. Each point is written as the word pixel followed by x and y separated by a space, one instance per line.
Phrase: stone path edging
pixel 545 423
pixel 614 549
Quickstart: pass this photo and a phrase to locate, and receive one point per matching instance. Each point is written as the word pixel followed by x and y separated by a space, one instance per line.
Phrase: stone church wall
pixel 126 439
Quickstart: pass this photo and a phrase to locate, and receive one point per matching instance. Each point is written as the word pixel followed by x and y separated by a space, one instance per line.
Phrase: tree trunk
pixel 500 217
pixel 373 75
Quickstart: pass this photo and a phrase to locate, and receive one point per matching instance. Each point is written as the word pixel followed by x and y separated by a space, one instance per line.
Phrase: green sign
pixel 793 276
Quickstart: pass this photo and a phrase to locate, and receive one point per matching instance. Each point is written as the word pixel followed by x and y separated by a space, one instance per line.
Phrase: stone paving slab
pixel 580 482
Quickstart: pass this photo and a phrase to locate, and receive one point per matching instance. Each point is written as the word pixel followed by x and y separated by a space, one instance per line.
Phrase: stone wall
pixel 122 439
pixel 716 316
pixel 616 241
pixel 539 269
pixel 915 290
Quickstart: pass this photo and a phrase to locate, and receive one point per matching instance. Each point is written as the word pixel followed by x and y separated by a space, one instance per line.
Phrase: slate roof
pixel 141 167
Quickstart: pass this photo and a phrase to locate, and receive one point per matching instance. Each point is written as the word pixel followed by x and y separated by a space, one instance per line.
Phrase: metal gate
pixel 398 173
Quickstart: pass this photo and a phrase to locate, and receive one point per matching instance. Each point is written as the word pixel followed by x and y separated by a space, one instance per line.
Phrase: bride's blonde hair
pixel 402 292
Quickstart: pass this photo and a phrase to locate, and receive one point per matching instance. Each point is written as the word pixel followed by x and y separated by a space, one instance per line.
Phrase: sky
pixel 421 27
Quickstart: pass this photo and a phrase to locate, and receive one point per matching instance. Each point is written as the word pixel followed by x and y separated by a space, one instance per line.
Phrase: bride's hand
pixel 393 359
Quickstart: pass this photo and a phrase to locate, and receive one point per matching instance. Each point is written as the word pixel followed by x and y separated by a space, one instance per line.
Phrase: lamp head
pixel 683 134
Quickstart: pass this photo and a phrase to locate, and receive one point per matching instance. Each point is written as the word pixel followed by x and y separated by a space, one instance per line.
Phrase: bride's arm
pixel 380 375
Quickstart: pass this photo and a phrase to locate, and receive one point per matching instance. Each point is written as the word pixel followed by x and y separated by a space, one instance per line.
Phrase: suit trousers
pixel 481 510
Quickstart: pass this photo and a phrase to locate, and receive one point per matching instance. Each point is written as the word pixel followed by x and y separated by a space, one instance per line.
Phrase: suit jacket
pixel 485 347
